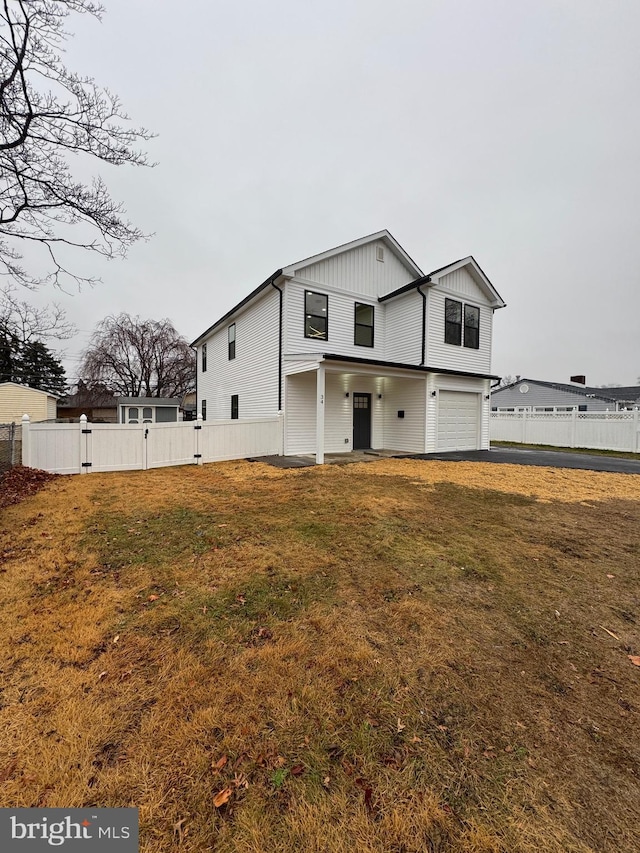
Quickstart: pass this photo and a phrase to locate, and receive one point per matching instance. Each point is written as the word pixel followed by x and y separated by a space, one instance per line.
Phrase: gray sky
pixel 506 130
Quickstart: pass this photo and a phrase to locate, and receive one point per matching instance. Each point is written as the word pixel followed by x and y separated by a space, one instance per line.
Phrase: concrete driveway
pixel 541 458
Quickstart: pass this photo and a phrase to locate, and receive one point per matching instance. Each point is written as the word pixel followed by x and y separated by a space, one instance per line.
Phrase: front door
pixel 361 421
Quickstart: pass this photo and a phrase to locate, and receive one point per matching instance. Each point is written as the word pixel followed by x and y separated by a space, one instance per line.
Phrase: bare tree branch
pixel 48 113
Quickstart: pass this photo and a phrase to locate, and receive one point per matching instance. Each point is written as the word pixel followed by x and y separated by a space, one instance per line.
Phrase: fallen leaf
pixel 416 739
pixel 635 659
pixel 222 797
pixel 220 763
pixel 326 781
pixel 116 638
pixel 400 726
pixel 153 598
pixel 297 770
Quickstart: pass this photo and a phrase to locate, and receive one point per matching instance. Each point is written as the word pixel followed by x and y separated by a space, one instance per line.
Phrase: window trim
pixel 234 407
pixel 231 341
pixel 204 357
pixel 357 325
pixel 318 316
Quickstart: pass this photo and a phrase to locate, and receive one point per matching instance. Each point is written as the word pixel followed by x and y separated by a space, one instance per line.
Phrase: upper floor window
pixel 472 327
pixel 452 322
pixel 316 309
pixel 363 325
pixel 231 334
pixel 455 331
pixel 234 407
pixel 204 358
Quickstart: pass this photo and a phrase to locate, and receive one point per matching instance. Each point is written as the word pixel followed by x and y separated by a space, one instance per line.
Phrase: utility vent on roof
pixel 380 253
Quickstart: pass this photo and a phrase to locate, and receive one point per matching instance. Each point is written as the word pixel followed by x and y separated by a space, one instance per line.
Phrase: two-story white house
pixel 358 348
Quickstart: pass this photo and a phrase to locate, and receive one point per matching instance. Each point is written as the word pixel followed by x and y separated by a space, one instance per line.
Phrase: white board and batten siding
pixel 253 373
pixel 359 270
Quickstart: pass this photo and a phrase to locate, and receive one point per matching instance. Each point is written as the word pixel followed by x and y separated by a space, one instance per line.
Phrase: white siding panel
pixel 407 433
pixel 358 270
pixel 452 357
pixel 340 325
pixel 300 408
pixel 253 374
pixel 404 328
pixel 339 412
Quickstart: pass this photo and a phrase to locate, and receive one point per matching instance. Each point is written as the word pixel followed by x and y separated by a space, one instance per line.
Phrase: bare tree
pixel 28 323
pixel 48 113
pixel 139 358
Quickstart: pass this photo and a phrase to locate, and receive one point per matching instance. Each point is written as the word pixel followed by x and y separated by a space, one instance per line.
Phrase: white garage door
pixel 458 421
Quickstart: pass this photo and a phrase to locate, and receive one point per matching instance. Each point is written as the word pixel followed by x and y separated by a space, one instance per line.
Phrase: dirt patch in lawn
pixel 394 656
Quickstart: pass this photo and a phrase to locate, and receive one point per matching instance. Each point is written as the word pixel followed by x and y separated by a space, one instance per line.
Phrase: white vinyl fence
pixel 591 430
pixel 84 447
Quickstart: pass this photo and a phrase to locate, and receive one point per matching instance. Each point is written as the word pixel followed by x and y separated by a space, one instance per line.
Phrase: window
pixel 316 309
pixel 147 415
pixel 204 358
pixel 132 417
pixel 231 334
pixel 471 327
pixel 234 407
pixel 203 409
pixel 452 322
pixel 363 328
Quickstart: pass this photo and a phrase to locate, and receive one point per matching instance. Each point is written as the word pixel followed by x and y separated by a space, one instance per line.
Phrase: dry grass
pixel 394 656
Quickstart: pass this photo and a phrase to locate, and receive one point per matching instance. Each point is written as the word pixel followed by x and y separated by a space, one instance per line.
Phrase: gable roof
pixel 611 395
pixel 383 236
pixel 392 244
pixel 29 388
pixel 433 277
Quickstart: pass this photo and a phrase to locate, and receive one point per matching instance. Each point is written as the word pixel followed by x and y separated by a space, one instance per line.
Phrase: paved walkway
pixel 500 456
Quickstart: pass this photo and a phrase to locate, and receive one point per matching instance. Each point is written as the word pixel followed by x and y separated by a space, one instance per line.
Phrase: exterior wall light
pixel 347 394
pixel 433 393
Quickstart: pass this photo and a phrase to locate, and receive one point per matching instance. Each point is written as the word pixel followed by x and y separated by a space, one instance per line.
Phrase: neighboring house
pixel 147 410
pixel 18 400
pixel 534 395
pixel 358 348
pixel 98 406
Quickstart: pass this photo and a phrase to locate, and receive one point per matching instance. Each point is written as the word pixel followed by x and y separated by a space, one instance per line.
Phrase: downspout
pixel 195 349
pixel 279 346
pixel 424 325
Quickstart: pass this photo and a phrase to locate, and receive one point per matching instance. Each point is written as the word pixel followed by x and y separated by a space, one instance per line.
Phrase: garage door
pixel 458 421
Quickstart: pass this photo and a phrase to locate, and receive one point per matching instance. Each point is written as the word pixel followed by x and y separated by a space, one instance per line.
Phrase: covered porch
pixel 336 407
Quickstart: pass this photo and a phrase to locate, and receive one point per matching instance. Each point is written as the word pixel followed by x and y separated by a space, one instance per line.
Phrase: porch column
pixel 320 395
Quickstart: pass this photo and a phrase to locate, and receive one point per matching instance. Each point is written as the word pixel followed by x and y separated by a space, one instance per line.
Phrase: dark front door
pixel 361 421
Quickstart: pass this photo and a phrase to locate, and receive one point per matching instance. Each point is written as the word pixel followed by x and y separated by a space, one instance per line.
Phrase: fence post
pixel 82 456
pixel 635 444
pixel 26 442
pixel 198 432
pixel 524 427
pixel 574 422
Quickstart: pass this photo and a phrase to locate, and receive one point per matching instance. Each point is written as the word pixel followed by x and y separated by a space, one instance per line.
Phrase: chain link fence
pixel 10 446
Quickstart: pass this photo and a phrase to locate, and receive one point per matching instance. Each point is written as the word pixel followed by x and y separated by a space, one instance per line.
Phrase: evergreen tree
pixel 30 363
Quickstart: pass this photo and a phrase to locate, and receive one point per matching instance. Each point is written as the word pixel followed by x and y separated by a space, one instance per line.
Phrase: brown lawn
pixel 396 656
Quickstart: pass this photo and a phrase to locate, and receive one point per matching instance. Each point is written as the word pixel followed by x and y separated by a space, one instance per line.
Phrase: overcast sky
pixel 506 130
